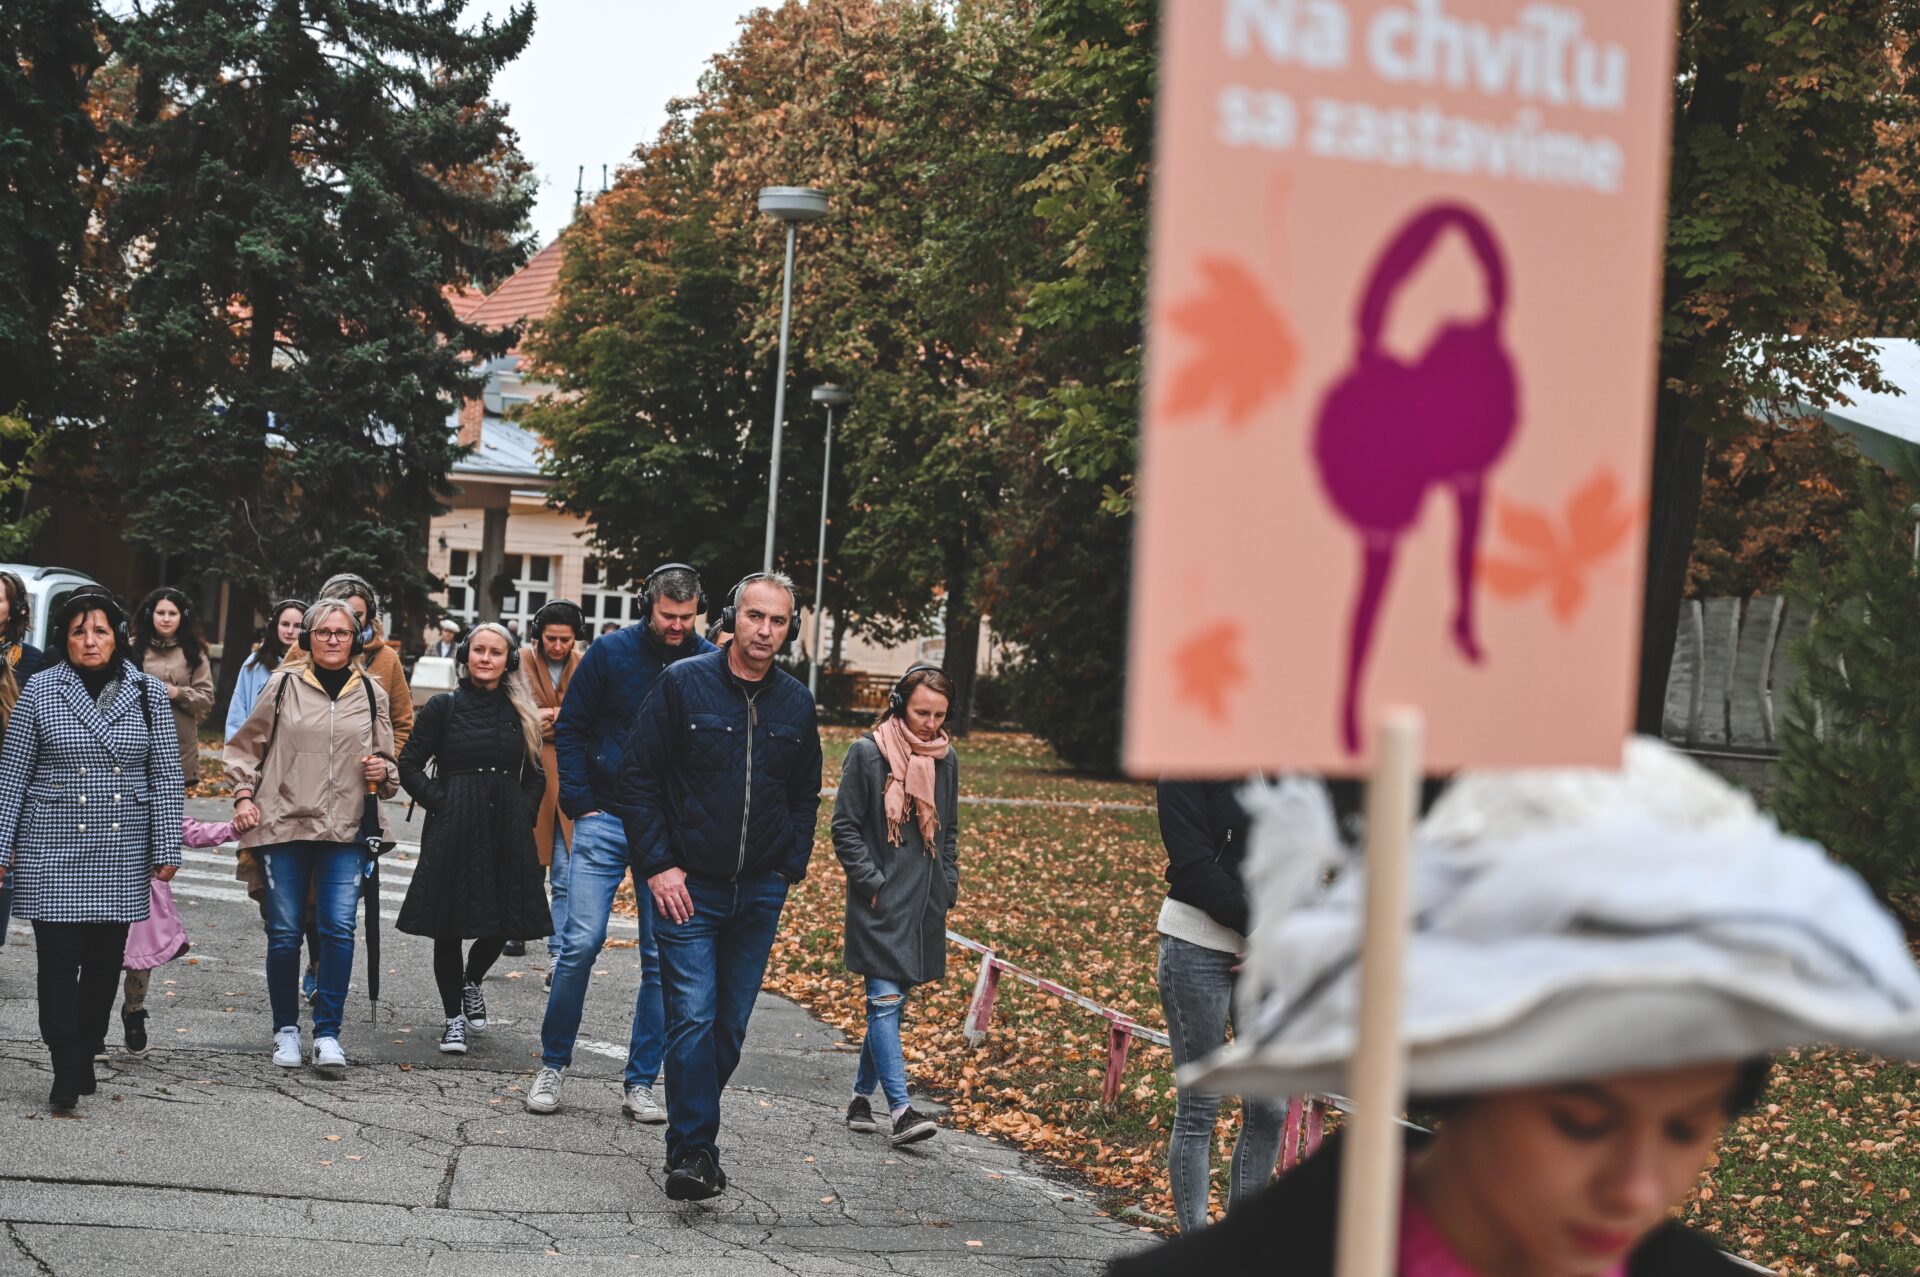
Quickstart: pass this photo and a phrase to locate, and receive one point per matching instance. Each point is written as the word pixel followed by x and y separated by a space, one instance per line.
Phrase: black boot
pixel 134 1025
pixel 66 1090
pixel 515 949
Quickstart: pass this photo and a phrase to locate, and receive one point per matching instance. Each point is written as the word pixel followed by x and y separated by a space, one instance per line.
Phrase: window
pixel 603 601
pixel 532 577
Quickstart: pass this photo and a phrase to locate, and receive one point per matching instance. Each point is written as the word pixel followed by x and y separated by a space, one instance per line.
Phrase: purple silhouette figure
pixel 1389 430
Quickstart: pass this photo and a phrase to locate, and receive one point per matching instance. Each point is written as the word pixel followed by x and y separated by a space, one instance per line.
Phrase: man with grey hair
pixel 613 680
pixel 719 790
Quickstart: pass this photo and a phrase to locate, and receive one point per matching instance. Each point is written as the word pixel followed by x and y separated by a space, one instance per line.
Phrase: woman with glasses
pixel 319 739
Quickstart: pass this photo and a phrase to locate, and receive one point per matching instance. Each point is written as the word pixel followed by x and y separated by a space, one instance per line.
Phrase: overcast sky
pixel 596 79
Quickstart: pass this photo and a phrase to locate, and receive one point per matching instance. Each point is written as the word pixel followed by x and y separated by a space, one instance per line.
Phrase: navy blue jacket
pixel 603 701
pixel 717 782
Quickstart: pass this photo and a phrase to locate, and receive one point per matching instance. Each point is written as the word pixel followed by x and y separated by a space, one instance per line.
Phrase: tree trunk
pixel 236 641
pixel 963 654
pixel 839 632
pixel 1679 472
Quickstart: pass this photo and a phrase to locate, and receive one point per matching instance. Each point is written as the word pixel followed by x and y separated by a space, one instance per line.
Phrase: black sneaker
pixel 134 1028
pixel 911 1127
pixel 474 1004
pixel 696 1178
pixel 515 949
pixel 860 1115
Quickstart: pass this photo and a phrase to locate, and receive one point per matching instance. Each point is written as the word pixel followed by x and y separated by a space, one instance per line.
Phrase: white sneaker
pixel 454 1040
pixel 286 1048
pixel 642 1107
pixel 544 1095
pixel 328 1055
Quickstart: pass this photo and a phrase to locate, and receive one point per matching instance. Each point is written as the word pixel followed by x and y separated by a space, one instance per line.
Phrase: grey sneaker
pixel 544 1095
pixel 642 1107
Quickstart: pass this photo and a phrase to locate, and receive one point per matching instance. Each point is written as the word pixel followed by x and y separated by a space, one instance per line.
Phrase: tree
pixel 1770 493
pixel 21 447
pixel 282 383
pixel 1793 159
pixel 1060 587
pixel 1850 748
pixel 49 53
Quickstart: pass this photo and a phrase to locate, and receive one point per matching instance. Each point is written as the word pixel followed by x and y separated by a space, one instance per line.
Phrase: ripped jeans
pixel 881 1063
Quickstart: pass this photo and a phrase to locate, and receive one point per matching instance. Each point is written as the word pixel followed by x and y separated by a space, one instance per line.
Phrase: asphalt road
pixel 202 1157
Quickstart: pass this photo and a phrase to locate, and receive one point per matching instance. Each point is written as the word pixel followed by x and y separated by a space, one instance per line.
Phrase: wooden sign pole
pixel 1370 1174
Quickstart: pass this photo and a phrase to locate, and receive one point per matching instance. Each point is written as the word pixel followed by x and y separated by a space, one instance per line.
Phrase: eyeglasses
pixel 334 636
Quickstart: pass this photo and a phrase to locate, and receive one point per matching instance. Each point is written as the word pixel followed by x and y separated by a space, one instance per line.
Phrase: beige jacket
pixel 533 671
pixel 309 786
pixel 384 663
pixel 189 694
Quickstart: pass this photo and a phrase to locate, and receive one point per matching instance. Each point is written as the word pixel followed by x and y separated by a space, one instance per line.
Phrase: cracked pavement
pixel 202 1157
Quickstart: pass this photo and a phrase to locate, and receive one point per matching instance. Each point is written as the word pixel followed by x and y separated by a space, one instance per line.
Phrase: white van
pixel 47 588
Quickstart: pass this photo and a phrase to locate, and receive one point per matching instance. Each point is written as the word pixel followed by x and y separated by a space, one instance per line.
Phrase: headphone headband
pixel 461 653
pixel 897 698
pixel 646 589
pixel 576 619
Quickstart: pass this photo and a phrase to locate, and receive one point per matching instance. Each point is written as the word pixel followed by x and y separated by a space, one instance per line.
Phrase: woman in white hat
pixel 1600 967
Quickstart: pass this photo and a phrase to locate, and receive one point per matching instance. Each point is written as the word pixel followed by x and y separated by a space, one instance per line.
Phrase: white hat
pixel 1575 924
pixel 450 626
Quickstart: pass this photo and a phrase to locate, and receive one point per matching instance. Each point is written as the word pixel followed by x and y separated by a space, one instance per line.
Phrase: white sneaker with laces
pixel 328 1055
pixel 286 1048
pixel 544 1095
pixel 454 1040
pixel 642 1107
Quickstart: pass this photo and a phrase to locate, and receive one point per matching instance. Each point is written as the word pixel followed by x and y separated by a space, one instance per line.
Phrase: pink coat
pixel 162 937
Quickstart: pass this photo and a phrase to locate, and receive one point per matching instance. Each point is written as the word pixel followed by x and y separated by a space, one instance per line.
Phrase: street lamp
pixel 832 397
pixel 792 205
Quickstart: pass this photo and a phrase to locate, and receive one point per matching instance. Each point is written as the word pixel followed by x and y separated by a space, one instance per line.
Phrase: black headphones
pixel 897 698
pixel 731 613
pixel 165 594
pixel 513 648
pixel 306 635
pixel 568 613
pixel 93 598
pixel 646 590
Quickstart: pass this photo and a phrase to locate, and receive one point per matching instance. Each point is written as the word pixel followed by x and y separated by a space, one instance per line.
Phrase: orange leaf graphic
pixel 1557 557
pixel 1210 669
pixel 1247 350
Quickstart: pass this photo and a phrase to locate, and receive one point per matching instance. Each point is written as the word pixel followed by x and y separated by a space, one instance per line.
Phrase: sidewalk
pixel 204 1158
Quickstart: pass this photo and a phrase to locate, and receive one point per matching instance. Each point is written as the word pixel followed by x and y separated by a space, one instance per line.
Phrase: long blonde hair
pixel 516 688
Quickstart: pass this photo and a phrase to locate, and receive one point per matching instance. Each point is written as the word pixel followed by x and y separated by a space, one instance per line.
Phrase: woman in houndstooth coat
pixel 90 810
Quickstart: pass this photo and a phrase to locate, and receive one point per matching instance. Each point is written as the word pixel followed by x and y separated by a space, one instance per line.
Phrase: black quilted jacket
pixel 718 780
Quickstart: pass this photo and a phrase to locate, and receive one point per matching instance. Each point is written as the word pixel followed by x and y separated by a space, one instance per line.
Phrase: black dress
pixel 479 875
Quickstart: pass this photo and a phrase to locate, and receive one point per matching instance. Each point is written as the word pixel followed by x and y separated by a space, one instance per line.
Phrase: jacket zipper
pixel 746 811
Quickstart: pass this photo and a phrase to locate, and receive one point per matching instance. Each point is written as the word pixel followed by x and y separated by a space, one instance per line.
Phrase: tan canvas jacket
pixel 310 786
pixel 384 664
pixel 533 668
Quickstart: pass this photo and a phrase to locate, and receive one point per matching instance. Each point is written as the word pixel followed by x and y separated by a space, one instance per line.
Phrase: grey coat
pixel 89 799
pixel 904 937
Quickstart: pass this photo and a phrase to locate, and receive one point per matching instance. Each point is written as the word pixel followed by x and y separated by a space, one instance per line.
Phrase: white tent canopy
pixel 1879 422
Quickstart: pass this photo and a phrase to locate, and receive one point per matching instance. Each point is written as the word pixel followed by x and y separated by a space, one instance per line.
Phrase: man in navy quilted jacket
pixel 719 790
pixel 602 703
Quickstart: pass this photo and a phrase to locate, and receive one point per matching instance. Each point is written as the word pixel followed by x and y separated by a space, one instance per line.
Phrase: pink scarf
pixel 1425 1253
pixel 910 763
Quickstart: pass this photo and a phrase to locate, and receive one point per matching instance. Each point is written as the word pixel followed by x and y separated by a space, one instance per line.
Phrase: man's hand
pixel 246 815
pixel 669 888
pixel 165 873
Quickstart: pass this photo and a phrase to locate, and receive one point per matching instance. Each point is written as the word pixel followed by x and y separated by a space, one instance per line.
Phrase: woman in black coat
pixel 479 875
pixel 894 826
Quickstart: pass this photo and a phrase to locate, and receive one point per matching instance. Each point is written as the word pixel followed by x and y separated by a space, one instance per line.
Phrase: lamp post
pixel 792 205
pixel 832 397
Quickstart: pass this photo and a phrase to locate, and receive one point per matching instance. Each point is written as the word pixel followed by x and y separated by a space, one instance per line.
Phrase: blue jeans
pixel 335 870
pixel 712 964
pixel 594 872
pixel 1196 993
pixel 881 1062
pixel 557 891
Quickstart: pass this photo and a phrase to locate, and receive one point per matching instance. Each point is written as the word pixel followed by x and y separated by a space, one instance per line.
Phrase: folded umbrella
pixel 374 840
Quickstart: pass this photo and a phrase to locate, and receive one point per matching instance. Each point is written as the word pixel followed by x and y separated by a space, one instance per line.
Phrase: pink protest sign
pixel 1400 375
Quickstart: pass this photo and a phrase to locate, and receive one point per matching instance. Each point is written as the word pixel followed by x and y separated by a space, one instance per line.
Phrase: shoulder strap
pixel 373 712
pixel 273 729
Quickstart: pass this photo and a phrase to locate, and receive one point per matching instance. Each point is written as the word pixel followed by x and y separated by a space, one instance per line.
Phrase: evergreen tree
pixel 305 195
pixel 1850 743
pixel 49 53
